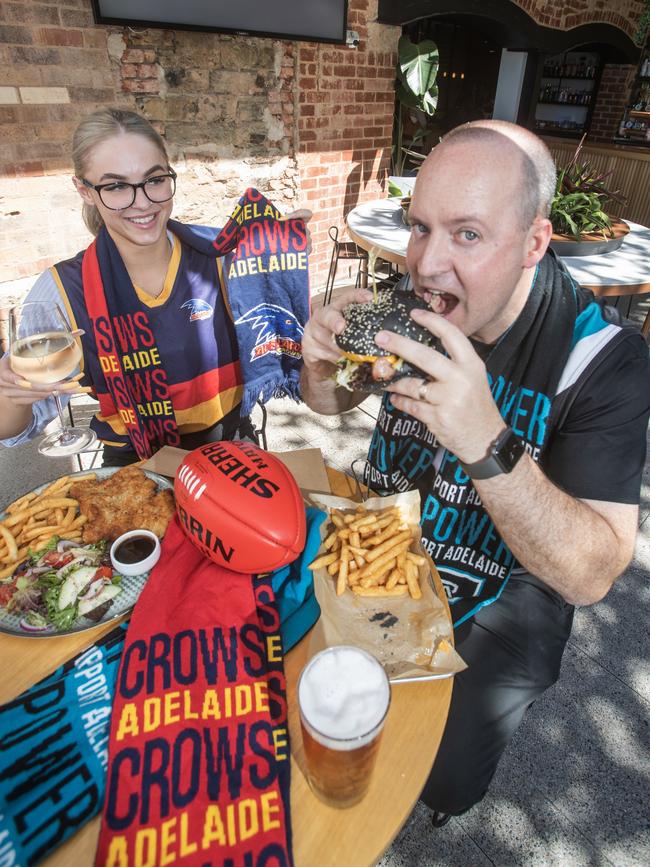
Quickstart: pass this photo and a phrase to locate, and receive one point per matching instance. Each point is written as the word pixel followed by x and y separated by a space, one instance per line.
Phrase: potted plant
pixel 417 96
pixel 581 225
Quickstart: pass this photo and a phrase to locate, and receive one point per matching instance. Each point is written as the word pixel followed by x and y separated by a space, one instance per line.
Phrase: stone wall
pixel 223 104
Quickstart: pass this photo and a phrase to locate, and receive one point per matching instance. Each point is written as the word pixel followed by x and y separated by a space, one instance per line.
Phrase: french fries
pixel 32 520
pixel 368 553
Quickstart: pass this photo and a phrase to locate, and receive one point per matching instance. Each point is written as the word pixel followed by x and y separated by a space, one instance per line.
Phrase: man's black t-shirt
pixel 597 452
pixel 594 450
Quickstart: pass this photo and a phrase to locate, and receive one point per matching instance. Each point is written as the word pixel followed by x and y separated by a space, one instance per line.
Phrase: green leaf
pixel 417 68
pixel 571 224
pixel 34 555
pixel 394 190
pixel 405 96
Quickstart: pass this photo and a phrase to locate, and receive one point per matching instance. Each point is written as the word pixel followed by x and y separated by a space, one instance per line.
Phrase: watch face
pixel 509 450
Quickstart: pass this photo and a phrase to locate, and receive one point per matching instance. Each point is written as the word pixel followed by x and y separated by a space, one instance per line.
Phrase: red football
pixel 240 506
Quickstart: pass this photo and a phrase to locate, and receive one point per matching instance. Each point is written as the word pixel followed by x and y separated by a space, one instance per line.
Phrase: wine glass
pixel 44 350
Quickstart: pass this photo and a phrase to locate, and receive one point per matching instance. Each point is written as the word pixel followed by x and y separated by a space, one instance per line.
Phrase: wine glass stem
pixel 66 436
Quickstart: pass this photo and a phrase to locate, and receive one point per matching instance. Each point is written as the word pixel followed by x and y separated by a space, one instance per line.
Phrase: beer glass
pixel 343 696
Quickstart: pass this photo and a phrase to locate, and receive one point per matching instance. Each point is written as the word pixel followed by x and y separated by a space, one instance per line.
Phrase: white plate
pixel 131 584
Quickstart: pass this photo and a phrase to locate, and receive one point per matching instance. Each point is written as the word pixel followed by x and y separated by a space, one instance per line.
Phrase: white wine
pixel 47 357
pixel 44 351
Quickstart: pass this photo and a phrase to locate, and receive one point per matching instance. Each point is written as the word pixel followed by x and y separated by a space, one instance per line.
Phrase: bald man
pixel 526 437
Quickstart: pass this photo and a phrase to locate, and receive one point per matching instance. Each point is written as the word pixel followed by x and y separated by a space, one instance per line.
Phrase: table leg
pixel 363 271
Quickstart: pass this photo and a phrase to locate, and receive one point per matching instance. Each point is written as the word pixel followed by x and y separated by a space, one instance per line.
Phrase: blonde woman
pixel 159 345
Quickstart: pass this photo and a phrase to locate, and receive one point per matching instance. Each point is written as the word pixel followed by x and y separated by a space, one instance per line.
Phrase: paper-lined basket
pixel 412 638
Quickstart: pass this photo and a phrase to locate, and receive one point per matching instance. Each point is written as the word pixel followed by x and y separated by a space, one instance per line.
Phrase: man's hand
pixel 320 354
pixel 319 350
pixel 456 405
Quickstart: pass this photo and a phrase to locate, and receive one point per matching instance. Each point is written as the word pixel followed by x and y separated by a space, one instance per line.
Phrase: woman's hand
pixel 22 393
pixel 455 401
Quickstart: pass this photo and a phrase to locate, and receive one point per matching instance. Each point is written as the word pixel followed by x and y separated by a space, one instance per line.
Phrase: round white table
pixel 380 224
pixel 626 271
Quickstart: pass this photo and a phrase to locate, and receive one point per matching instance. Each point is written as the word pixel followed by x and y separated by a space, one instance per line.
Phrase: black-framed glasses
pixel 118 195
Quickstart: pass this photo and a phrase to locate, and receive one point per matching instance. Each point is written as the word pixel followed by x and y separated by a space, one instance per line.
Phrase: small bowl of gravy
pixel 135 552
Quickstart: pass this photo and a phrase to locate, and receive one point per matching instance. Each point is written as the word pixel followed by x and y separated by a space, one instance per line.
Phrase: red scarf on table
pixel 199 766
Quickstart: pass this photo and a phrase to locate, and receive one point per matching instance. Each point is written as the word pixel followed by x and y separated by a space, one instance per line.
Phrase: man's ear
pixel 537 241
pixel 84 192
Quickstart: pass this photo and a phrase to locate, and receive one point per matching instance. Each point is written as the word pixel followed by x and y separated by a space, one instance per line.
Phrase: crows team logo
pixel 199 309
pixel 276 331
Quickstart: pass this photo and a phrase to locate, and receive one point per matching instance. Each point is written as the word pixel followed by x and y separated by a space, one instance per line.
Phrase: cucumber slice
pixel 106 595
pixel 74 584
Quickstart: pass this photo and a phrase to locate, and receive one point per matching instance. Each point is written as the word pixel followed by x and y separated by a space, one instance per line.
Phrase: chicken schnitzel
pixel 127 500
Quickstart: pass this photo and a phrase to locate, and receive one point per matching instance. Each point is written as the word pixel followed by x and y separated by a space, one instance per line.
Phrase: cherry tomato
pixel 104 572
pixel 56 560
pixel 6 592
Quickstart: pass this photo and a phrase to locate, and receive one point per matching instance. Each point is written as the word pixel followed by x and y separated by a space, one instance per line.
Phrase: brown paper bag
pixel 306 465
pixel 413 639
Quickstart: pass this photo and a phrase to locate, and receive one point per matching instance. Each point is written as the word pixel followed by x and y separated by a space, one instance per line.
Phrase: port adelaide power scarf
pixel 198 770
pixel 261 259
pixel 523 368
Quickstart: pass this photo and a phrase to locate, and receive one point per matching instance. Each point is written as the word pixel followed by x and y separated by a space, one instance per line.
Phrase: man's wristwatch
pixel 502 457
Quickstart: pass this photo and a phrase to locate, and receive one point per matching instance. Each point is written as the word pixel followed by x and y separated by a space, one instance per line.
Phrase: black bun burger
pixel 357 340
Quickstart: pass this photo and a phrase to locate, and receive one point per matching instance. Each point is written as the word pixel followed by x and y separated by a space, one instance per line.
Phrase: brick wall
pixel 616 80
pixel 234 112
pixel 613 97
pixel 346 99
pixel 54 69
pixel 565 14
pixel 308 124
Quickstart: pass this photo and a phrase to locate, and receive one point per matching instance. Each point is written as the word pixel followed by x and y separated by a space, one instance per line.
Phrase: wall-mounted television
pixel 311 20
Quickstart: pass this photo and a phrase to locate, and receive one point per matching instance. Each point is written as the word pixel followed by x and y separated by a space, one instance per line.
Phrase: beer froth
pixel 344 696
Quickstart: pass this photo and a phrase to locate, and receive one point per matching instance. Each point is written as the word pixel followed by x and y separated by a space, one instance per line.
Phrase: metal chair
pixel 625 291
pixel 85 412
pixel 261 430
pixel 344 250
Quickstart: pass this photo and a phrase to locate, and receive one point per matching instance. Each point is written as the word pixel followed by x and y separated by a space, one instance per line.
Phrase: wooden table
pixel 322 835
pixel 625 272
